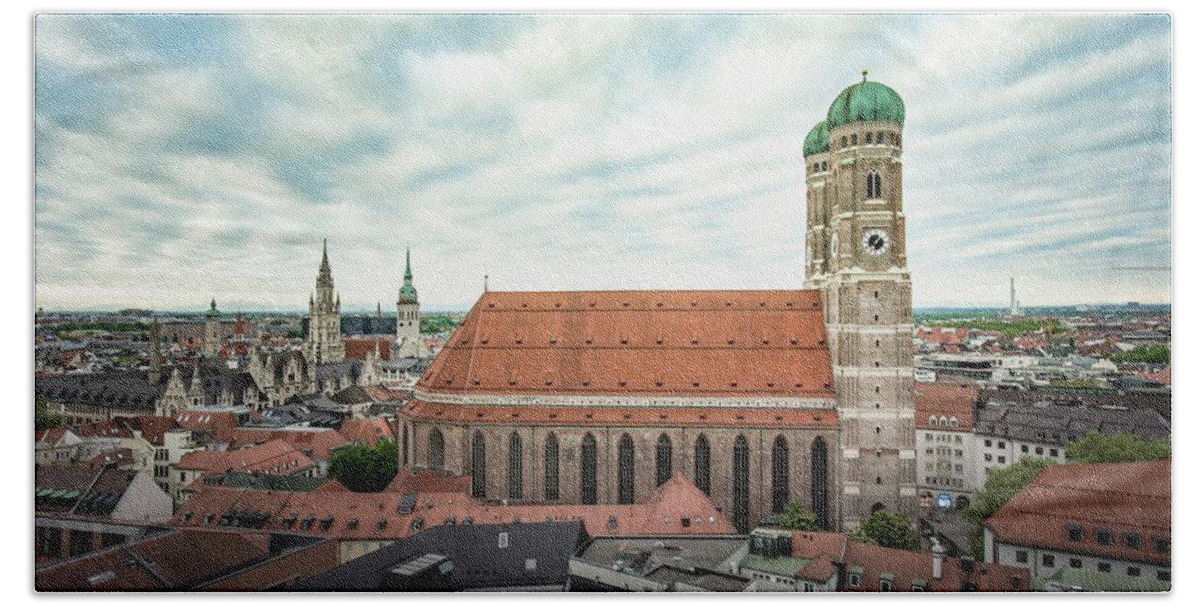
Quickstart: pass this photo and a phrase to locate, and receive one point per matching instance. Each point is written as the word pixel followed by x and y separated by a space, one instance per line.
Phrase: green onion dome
pixel 866 100
pixel 817 140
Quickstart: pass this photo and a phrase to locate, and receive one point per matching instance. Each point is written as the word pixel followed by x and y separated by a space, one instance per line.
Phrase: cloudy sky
pixel 185 157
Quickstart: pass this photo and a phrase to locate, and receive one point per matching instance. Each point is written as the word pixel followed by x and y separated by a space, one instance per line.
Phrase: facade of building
pixel 212 331
pixel 759 397
pixel 1090 527
pixel 946 462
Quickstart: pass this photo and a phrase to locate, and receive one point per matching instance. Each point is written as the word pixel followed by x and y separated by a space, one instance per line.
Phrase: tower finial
pixel 407 265
pixel 864 73
pixel 485 279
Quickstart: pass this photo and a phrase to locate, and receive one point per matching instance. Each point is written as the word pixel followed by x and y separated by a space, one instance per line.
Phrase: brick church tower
pixel 856 257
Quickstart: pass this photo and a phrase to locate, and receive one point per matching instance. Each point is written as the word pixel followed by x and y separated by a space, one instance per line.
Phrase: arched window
pixel 404 446
pixel 551 467
pixel 516 466
pixel 943 421
pixel 437 450
pixel 820 483
pixel 954 421
pixel 779 475
pixel 874 185
pixel 933 421
pixel 662 460
pixel 587 470
pixel 701 466
pixel 478 466
pixel 741 485
pixel 625 471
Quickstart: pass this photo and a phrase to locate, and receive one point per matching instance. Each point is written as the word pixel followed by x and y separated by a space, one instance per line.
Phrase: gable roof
pixel 367 431
pixel 697 343
pixel 944 399
pixel 1126 497
pixel 274 457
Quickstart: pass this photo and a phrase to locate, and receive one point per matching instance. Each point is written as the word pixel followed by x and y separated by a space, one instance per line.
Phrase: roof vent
pixel 524 305
pixel 659 305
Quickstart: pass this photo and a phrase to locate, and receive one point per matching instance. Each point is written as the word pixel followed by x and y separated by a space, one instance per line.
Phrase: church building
pixel 761 398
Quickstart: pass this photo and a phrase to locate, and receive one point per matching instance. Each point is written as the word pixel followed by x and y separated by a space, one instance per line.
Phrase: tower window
pixel 854 139
pixel 868 138
pixel 874 185
pixel 844 144
pixel 824 165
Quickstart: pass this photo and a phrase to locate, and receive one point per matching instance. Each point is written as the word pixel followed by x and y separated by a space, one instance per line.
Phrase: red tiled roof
pixel 826 550
pixel 105 428
pixel 275 457
pixel 381 394
pixel 152 428
pixel 120 457
pixel 945 399
pixel 361 348
pixel 173 559
pixel 219 423
pixel 317 443
pixel 352 515
pixel 1126 497
pixel 701 343
pixel 366 431
pixel 613 416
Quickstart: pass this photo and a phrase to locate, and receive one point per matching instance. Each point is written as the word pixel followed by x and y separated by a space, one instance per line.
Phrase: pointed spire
pixel 864 73
pixel 408 293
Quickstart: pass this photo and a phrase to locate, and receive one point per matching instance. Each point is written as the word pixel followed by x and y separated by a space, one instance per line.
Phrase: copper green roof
pixel 817 140
pixel 866 100
pixel 408 293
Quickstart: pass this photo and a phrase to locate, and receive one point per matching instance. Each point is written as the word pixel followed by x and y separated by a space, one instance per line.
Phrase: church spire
pixel 408 293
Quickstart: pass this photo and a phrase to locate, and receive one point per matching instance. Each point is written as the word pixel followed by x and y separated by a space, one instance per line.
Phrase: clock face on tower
pixel 875 242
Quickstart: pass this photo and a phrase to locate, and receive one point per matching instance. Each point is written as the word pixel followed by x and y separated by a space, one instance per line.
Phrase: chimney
pixel 939 554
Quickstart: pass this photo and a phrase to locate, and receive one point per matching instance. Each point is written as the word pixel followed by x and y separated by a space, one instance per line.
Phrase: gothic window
pixel 587 470
pixel 701 464
pixel 741 485
pixel 515 466
pixel 662 460
pixel 478 466
pixel 437 450
pixel 779 475
pixel 868 138
pixel 854 139
pixel 874 185
pixel 820 483
pixel 625 471
pixel 551 467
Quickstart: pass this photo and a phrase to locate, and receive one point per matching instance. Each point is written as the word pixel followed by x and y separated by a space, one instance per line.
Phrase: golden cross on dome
pixel 864 72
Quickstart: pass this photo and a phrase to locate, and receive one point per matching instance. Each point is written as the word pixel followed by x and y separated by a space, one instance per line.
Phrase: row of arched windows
pixel 663 465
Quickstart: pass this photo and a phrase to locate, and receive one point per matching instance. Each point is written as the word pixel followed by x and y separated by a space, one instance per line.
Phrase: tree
pixel 1000 486
pixel 796 517
pixel 43 417
pixel 887 529
pixel 1097 447
pixel 1154 354
pixel 364 469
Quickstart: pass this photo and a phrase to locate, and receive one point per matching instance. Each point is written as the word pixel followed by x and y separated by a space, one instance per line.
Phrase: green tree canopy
pixel 43 417
pixel 1154 354
pixel 1097 447
pixel 1000 486
pixel 364 469
pixel 887 529
pixel 796 517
